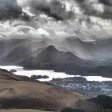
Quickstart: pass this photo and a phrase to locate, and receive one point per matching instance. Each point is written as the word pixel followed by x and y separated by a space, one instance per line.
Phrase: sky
pixel 85 19
pixel 56 20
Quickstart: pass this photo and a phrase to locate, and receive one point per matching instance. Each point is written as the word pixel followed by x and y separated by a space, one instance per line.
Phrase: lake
pixel 51 73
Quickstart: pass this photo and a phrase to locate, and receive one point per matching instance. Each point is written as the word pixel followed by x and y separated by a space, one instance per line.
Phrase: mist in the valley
pixel 83 27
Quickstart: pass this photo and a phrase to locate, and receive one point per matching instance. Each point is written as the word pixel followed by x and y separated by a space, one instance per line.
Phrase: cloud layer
pixel 54 8
pixel 85 19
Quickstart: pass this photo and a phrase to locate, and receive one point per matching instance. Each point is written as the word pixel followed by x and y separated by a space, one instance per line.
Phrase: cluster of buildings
pixel 86 87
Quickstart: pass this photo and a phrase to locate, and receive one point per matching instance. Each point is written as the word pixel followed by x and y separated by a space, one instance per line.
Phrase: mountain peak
pixel 51 48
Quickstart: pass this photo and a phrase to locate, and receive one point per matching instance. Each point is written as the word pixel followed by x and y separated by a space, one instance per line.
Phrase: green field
pixel 21 110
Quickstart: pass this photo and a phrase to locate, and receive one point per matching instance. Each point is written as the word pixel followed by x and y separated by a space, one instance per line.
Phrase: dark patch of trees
pixel 104 101
pixel 39 77
pixel 71 110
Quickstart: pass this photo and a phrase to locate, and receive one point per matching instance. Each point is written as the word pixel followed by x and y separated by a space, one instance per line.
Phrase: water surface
pixel 51 74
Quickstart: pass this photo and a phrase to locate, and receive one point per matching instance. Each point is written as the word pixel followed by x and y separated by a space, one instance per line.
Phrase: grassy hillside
pixel 18 92
pixel 21 92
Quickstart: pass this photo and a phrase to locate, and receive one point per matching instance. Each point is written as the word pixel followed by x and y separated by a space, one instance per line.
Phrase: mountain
pixel 39 55
pixel 21 49
pixel 95 51
pixel 52 55
pixel 52 59
pixel 99 51
pixel 6 46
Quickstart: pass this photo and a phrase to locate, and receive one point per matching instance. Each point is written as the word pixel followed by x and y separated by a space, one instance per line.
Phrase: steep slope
pixel 16 92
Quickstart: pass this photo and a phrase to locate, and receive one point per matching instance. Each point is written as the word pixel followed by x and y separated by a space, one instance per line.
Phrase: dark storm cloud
pixel 106 2
pixel 54 9
pixel 88 8
pixel 9 9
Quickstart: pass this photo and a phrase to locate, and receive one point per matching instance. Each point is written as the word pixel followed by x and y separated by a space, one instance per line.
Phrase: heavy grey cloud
pixel 9 9
pixel 98 8
pixel 42 12
pixel 54 9
pixel 106 2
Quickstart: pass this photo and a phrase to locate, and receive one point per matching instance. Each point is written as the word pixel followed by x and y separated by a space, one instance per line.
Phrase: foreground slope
pixel 21 92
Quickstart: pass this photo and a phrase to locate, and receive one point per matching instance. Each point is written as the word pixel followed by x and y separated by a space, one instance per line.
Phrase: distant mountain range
pixel 39 55
pixel 25 49
pixel 99 51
